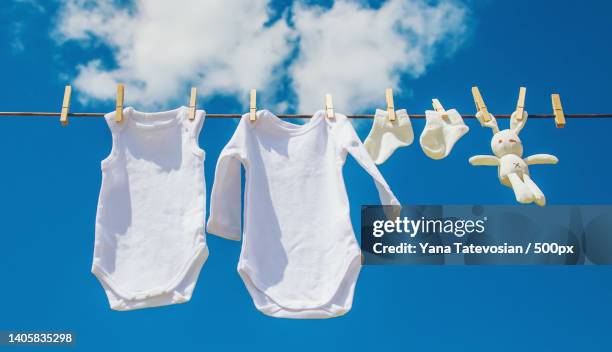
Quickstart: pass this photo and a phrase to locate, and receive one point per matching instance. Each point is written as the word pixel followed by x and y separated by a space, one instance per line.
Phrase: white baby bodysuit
pixel 439 135
pixel 299 256
pixel 386 136
pixel 150 244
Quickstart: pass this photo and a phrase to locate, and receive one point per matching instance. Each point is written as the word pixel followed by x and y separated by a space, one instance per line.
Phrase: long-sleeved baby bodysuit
pixel 150 244
pixel 299 256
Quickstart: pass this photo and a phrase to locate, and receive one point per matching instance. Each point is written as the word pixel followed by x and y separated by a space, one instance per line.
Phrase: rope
pixel 288 116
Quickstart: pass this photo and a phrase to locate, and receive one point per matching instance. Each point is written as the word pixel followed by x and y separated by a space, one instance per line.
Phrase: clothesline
pixel 558 115
pixel 287 116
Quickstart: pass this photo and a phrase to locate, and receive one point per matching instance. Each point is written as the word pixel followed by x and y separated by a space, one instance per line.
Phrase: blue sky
pixel 51 176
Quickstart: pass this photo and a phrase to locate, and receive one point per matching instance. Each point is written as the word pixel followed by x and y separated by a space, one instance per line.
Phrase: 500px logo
pixel 412 227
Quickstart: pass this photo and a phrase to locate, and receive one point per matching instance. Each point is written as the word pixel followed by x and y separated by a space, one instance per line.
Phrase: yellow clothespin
pixel 558 110
pixel 119 103
pixel 253 105
pixel 520 104
pixel 439 108
pixel 329 106
pixel 66 106
pixel 192 103
pixel 390 104
pixel 480 104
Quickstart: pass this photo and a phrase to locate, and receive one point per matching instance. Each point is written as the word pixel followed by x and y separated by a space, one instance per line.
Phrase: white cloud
pixel 17 26
pixel 227 47
pixel 162 46
pixel 355 52
pixel 34 4
pixel 17 45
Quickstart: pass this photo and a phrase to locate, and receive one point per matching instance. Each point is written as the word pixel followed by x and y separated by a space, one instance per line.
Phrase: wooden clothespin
pixel 329 107
pixel 520 104
pixel 480 104
pixel 193 103
pixel 439 108
pixel 558 110
pixel 390 104
pixel 253 105
pixel 66 105
pixel 119 103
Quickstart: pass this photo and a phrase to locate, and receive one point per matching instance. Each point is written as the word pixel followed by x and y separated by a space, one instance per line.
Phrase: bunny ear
pixel 517 125
pixel 492 123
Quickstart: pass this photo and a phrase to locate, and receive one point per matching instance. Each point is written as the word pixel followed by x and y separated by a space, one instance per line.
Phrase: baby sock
pixel 386 136
pixel 440 135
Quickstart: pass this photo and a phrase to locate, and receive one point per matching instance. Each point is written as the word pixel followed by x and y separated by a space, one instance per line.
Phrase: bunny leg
pixel 522 193
pixel 540 199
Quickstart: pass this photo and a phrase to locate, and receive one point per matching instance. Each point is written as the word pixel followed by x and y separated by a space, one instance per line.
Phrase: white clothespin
pixel 253 105
pixel 558 110
pixel 390 104
pixel 119 103
pixel 329 106
pixel 520 104
pixel 193 103
pixel 480 104
pixel 65 106
pixel 439 108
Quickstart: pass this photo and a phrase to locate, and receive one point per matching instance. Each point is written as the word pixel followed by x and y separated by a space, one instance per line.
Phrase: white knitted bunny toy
pixel 513 170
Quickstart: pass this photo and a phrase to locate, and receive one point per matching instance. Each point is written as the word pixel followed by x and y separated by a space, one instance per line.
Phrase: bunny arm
pixel 484 160
pixel 541 159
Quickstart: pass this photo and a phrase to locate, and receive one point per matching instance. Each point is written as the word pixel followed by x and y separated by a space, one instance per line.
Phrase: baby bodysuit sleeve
pixel 225 200
pixel 349 142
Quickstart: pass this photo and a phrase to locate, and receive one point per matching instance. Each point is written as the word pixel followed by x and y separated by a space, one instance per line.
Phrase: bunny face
pixel 506 142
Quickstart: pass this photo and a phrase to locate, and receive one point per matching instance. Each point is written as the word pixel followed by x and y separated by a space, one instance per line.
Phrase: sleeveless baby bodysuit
pixel 149 241
pixel 299 256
